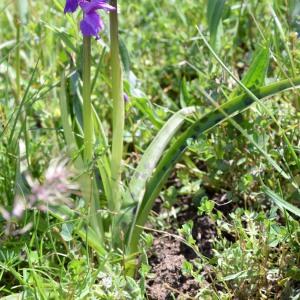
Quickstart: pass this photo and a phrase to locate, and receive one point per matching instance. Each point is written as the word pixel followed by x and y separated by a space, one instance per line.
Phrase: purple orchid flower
pixel 91 24
pixel 71 6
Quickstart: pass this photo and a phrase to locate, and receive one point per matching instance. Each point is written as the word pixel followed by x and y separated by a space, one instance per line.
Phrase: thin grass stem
pixel 88 126
pixel 118 111
pixel 18 62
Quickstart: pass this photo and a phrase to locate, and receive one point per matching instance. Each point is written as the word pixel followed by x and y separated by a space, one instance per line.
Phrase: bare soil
pixel 168 254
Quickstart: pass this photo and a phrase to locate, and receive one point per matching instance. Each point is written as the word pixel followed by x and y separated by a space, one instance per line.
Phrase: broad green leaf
pixel 145 106
pixel 150 158
pixel 103 161
pixel 67 127
pixel 100 64
pixel 155 151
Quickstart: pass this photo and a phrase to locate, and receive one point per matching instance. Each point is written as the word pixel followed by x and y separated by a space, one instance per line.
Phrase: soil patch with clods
pixel 166 261
pixel 168 253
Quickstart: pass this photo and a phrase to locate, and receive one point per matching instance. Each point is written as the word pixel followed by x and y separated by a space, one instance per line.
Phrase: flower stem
pixel 18 61
pixel 18 90
pixel 20 18
pixel 118 110
pixel 90 190
pixel 88 128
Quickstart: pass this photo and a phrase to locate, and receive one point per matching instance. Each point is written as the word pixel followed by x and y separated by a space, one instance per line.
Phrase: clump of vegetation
pixel 123 124
pixel 253 255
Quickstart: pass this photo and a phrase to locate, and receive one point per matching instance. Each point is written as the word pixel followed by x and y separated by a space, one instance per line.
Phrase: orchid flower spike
pixel 91 24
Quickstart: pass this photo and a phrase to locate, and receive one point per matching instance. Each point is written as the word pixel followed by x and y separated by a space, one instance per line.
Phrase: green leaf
pixel 255 76
pixel 206 207
pixel 145 106
pixel 66 232
pixel 214 14
pixel 175 152
pixel 154 152
pixel 124 56
pixel 67 127
pixel 283 204
pixel 241 274
pixel 103 161
pixel 184 94
pixel 62 36
pixel 134 194
pixel 87 185
pixel 86 233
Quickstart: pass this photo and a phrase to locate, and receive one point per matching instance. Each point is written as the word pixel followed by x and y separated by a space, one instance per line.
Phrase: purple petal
pixel 126 98
pixel 91 6
pixel 91 24
pixel 71 6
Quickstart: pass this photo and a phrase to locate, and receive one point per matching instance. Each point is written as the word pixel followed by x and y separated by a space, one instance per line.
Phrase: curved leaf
pixel 137 186
pixel 174 153
pixel 281 202
pixel 155 151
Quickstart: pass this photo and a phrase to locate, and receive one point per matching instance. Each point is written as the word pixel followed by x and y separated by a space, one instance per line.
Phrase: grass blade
pixel 255 76
pixel 281 202
pixel 214 15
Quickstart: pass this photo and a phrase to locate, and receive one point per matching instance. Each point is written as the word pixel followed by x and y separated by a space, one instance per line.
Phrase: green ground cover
pixel 210 167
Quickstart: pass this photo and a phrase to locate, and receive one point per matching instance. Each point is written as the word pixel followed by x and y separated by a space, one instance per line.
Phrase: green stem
pixel 18 62
pixel 85 181
pixel 88 128
pixel 88 131
pixel 86 233
pixel 118 111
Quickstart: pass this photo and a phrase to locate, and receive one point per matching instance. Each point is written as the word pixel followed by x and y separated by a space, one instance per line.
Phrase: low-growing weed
pixel 255 255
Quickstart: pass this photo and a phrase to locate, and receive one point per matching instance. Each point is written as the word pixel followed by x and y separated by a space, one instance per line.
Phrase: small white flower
pixel 107 282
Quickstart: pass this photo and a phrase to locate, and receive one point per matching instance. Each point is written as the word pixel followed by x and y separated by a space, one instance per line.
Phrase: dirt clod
pixel 166 261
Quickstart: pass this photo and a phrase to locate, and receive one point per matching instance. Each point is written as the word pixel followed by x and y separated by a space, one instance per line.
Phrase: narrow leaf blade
pixel 283 204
